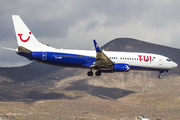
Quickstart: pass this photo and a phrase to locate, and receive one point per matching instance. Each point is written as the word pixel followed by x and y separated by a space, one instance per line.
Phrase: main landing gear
pixel 90 73
pixel 97 73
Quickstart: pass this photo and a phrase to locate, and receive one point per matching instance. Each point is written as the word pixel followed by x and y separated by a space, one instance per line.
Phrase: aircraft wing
pixel 101 59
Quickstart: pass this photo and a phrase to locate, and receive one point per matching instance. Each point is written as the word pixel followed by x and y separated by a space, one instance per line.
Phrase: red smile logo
pixel 20 36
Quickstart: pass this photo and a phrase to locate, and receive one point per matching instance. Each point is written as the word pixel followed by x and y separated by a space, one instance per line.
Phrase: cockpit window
pixel 168 60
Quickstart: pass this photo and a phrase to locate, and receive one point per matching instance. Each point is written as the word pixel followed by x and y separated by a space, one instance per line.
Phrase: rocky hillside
pixel 27 72
pixel 44 91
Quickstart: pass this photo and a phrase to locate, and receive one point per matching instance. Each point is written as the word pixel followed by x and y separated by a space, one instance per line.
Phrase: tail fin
pixel 24 36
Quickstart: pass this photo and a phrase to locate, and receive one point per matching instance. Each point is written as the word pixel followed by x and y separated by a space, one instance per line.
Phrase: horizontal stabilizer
pixel 12 49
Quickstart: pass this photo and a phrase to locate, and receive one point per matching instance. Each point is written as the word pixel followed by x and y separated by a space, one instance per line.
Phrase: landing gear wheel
pixel 98 73
pixel 159 76
pixel 90 73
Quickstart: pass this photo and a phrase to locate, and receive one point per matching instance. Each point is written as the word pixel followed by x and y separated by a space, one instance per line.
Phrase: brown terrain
pixel 42 92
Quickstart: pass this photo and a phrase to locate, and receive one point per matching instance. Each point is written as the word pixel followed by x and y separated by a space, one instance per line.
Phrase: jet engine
pixel 121 67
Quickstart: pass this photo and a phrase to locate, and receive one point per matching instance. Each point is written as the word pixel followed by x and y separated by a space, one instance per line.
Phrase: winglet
pixel 101 57
pixel 96 46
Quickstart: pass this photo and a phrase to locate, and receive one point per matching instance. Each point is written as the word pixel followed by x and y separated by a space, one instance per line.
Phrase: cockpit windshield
pixel 168 60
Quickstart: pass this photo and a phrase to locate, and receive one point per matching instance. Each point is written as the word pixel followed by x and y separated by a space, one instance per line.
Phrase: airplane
pixel 99 60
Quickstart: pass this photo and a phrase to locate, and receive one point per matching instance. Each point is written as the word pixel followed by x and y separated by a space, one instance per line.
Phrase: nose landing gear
pixel 160 76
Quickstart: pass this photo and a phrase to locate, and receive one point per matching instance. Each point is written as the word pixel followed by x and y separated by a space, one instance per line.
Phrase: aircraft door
pixel 44 55
pixel 160 61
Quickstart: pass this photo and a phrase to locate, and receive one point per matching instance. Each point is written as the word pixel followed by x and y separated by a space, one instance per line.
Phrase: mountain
pixel 27 72
pixel 48 92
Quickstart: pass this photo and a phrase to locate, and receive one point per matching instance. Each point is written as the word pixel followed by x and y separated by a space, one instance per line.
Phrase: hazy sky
pixel 73 24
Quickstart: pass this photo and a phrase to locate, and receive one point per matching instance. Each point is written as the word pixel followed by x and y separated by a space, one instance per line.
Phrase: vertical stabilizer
pixel 24 36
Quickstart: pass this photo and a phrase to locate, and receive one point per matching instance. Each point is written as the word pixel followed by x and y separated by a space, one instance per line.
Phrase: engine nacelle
pixel 121 67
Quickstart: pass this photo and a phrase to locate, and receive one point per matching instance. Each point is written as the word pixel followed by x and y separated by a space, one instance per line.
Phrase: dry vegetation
pixel 117 96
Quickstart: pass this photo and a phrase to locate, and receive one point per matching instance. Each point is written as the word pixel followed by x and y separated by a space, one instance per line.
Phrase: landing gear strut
pixel 159 76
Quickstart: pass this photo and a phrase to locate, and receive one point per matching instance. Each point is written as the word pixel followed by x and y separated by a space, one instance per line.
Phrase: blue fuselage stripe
pixel 71 60
pixel 61 59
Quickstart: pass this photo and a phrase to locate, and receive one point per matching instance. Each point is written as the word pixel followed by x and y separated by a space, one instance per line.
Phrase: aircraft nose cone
pixel 175 65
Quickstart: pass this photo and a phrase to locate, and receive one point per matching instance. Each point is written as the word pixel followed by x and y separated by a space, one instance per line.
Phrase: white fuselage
pixel 139 61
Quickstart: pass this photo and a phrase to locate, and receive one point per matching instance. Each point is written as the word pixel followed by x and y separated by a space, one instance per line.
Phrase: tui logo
pixel 20 36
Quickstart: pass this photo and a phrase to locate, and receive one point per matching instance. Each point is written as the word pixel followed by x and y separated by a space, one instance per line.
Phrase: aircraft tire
pixel 98 73
pixel 159 76
pixel 90 73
